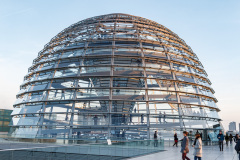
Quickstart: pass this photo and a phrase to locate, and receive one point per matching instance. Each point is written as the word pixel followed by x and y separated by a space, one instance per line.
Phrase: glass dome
pixel 114 76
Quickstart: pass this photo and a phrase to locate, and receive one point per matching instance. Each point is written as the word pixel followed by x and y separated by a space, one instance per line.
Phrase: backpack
pixel 237 147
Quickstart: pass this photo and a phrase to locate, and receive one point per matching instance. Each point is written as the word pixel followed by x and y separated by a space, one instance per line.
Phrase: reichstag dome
pixel 115 76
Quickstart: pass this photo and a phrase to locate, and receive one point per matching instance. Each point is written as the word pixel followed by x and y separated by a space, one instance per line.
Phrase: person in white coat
pixel 197 145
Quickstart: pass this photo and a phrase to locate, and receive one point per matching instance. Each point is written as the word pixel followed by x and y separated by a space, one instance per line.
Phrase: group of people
pixel 230 138
pixel 197 145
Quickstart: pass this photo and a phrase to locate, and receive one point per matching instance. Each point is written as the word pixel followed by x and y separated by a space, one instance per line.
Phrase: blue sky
pixel 211 28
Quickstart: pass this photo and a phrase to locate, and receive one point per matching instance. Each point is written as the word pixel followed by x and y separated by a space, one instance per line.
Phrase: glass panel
pixel 28 132
pixel 184 77
pixel 42 75
pixel 195 123
pixel 97 61
pixel 124 35
pixel 158 109
pixel 211 113
pixel 125 71
pixel 160 84
pixel 69 63
pixel 57 119
pixel 73 53
pixel 128 106
pixel 202 82
pixel 127 61
pixel 51 108
pixel 153 53
pixel 28 121
pixel 60 84
pixel 60 94
pixel 205 91
pixel 152 46
pixel 100 43
pixel 191 99
pixel 132 44
pixel 154 73
pixel 15 120
pixel 39 86
pixel 95 71
pixel 94 82
pixel 161 96
pixel 180 67
pixel 37 96
pixel 46 66
pixel 92 93
pixel 16 110
pixel 95 106
pixel 129 94
pixel 90 119
pixel 128 82
pixel 127 52
pixel 155 63
pixel 187 88
pixel 191 110
pixel 21 99
pixel 66 72
pixel 99 51
pixel 209 102
pixel 30 109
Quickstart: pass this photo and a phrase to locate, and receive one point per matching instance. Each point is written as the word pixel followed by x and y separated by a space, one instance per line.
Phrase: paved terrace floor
pixel 209 153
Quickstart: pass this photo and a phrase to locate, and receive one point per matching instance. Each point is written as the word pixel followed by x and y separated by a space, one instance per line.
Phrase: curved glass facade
pixel 114 76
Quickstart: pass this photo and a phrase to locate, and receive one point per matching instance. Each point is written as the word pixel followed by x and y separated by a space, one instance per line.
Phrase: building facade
pixel 232 126
pixel 115 76
pixel 5 118
pixel 239 128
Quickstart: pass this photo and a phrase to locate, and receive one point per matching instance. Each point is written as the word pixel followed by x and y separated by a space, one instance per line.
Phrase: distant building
pixel 239 127
pixel 232 126
pixel 5 118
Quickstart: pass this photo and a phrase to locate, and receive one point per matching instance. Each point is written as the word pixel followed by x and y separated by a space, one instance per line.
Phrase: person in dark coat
pixel 130 118
pixel 220 137
pixel 227 139
pixel 175 140
pixel 184 146
pixel 237 147
pixel 231 139
pixel 95 120
pixel 142 118
pixel 236 138
pixel 155 139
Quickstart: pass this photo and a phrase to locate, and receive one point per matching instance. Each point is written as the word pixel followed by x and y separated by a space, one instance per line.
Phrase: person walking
pixel 164 117
pixel 184 146
pixel 197 145
pixel 155 139
pixel 160 117
pixel 237 147
pixel 230 139
pixel 236 138
pixel 63 95
pixel 227 139
pixel 220 137
pixel 130 118
pixel 175 140
pixel 95 120
pixel 142 118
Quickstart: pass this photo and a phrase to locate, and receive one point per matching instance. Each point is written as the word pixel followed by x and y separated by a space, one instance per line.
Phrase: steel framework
pixel 114 75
